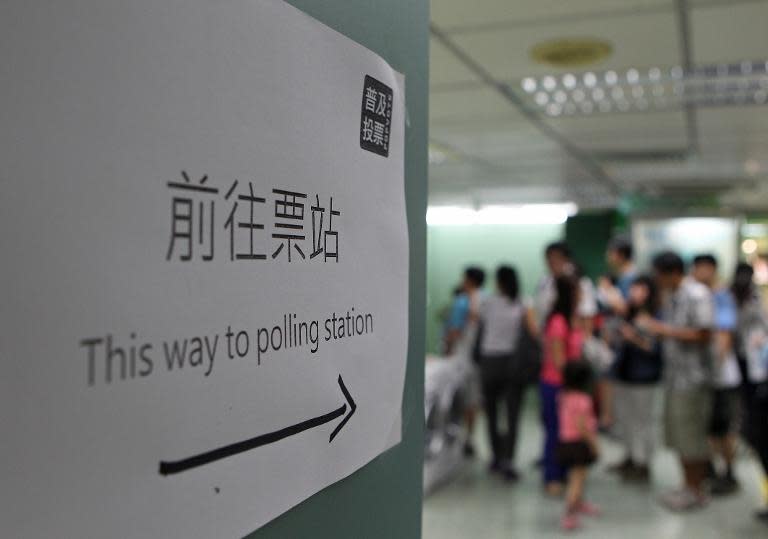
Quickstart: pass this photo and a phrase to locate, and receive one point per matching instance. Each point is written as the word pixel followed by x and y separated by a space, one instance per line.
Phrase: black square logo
pixel 376 116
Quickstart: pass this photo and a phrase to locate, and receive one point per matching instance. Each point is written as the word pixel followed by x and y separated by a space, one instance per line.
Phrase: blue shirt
pixel 624 282
pixel 726 313
pixel 459 312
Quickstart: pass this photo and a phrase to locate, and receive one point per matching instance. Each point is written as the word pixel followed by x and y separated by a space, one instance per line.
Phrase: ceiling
pixel 490 143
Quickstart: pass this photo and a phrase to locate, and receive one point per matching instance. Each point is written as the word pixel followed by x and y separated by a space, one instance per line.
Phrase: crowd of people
pixel 605 356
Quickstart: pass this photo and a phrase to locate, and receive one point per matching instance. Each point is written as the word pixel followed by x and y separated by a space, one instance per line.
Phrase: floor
pixel 474 505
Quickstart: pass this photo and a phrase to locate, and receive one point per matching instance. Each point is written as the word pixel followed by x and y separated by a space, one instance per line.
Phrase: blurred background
pixel 582 121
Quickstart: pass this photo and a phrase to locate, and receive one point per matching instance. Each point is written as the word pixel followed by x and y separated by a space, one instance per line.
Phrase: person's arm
pixel 611 297
pixel 531 324
pixel 630 334
pixel 723 345
pixel 588 435
pixel 669 331
pixel 473 314
pixel 557 351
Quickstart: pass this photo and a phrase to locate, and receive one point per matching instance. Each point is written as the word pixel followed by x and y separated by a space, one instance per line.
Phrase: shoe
pixel 469 450
pixel 723 486
pixel 589 509
pixel 683 500
pixel 711 471
pixel 637 474
pixel 495 467
pixel 511 475
pixel 622 467
pixel 570 522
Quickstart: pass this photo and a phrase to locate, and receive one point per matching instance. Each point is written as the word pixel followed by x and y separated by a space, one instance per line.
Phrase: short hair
pixel 705 258
pixel 668 262
pixel 558 247
pixel 476 275
pixel 578 375
pixel 506 277
pixel 622 246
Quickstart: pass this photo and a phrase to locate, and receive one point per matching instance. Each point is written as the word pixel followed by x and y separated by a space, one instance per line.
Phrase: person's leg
pixel 490 403
pixel 605 392
pixel 695 473
pixel 759 438
pixel 574 494
pixel 553 472
pixel 514 397
pixel 641 439
pixel 621 426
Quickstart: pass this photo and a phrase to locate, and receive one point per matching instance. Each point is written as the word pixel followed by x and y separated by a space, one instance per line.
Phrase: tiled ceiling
pixel 491 144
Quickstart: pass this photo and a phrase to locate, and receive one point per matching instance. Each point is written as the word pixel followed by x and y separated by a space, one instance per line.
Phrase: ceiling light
pixel 654 73
pixel 549 83
pixel 658 90
pixel 611 77
pixel 578 95
pixel 529 85
pixel 523 214
pixel 541 98
pixel 451 215
pixel 587 107
pixel 569 80
pixel 553 109
pixel 590 79
pixel 633 75
pixel 617 93
pixel 676 72
pixel 526 214
pixel 637 91
pixel 749 246
pixel 560 96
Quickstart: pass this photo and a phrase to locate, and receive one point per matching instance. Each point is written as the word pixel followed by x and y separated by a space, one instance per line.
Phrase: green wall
pixel 588 235
pixel 383 500
pixel 451 248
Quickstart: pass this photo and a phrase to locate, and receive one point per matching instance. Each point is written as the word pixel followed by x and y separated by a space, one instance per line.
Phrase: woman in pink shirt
pixel 577 448
pixel 562 343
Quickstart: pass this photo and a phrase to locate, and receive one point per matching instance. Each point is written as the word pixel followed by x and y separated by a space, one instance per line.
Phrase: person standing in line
pixel 503 318
pixel 686 333
pixel 614 298
pixel 751 341
pixel 578 447
pixel 562 342
pixel 464 309
pixel 460 337
pixel 559 260
pixel 637 370
pixel 726 378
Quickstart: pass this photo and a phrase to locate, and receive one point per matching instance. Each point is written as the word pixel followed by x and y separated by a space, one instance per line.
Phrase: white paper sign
pixel 204 265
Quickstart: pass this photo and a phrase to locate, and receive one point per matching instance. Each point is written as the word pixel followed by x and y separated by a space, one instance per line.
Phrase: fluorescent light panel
pixel 522 214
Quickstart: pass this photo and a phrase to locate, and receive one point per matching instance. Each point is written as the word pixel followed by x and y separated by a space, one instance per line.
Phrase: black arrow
pixel 178 466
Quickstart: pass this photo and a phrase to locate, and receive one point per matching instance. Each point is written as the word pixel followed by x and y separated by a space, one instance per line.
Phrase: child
pixel 577 448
